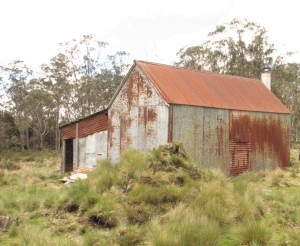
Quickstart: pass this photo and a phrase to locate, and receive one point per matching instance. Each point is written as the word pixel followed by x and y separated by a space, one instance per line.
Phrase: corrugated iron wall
pixel 68 131
pixel 204 133
pixel 138 117
pixel 233 141
pixel 93 124
pixel 92 148
pixel 267 134
pixel 90 125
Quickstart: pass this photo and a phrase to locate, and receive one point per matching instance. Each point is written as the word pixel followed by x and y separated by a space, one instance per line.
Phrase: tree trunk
pixel 57 137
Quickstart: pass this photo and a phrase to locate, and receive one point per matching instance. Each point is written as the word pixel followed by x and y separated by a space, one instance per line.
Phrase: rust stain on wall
pixel 267 134
pixel 220 136
pixel 152 114
pixel 110 129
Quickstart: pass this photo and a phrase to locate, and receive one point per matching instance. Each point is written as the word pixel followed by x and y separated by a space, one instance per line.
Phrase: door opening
pixel 69 155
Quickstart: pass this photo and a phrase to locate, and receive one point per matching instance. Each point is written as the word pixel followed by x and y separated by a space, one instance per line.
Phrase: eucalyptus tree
pixel 56 81
pixel 94 74
pixel 16 86
pixel 286 85
pixel 40 108
pixel 84 76
pixel 237 48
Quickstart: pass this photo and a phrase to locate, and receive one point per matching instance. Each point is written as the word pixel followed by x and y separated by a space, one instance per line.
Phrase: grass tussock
pixel 252 233
pixel 180 226
pixel 154 198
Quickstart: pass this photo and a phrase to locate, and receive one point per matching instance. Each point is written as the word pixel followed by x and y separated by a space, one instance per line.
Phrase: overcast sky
pixel 149 30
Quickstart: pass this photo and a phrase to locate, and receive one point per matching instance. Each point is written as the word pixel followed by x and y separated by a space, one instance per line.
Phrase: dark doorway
pixel 69 155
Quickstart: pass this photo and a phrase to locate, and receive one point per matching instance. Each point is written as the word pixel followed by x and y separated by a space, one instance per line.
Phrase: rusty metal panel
pixel 87 125
pixel 138 117
pixel 240 161
pixel 204 133
pixel 69 131
pixel 93 124
pixel 268 135
pixel 198 88
pixel 215 139
pixel 188 129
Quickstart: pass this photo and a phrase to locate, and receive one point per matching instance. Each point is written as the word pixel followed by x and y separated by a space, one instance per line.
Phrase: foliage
pixel 237 48
pixel 78 81
pixel 9 133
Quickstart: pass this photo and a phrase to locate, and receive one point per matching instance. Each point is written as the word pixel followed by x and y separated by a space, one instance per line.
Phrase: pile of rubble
pixel 80 173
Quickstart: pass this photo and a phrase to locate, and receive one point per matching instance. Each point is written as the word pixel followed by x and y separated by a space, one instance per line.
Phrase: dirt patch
pixel 99 220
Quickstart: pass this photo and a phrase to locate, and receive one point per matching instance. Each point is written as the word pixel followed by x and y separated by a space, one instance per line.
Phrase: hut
pixel 84 141
pixel 227 122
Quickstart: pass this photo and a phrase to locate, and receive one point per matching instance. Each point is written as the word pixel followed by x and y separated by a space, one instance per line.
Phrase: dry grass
pixel 156 198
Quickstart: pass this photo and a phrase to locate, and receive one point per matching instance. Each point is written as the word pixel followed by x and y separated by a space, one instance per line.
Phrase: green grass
pixel 153 198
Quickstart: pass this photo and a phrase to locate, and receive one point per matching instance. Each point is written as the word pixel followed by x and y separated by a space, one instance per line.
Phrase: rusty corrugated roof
pixel 198 88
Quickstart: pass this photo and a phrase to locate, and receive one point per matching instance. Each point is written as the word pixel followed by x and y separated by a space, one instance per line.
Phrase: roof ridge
pixel 195 70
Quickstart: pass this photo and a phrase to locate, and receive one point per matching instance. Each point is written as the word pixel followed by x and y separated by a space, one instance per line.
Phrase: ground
pixel 155 198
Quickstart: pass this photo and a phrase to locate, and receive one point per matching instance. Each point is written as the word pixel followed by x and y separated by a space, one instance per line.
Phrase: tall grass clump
pixel 129 235
pixel 180 226
pixel 249 201
pixel 276 177
pixel 105 212
pixel 31 235
pixel 133 164
pixel 252 232
pixel 215 201
pixel 103 177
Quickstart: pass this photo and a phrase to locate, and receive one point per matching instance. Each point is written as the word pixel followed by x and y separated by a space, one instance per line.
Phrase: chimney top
pixel 266 77
pixel 266 69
